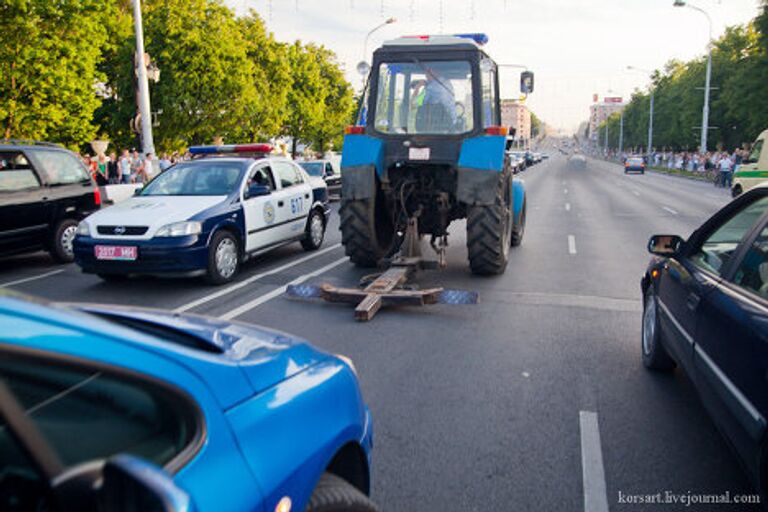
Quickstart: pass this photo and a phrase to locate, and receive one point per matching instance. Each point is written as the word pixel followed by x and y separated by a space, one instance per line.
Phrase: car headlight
pixel 349 363
pixel 83 229
pixel 180 229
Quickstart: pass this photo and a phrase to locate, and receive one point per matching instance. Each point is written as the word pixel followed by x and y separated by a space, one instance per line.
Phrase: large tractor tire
pixel 489 231
pixel 366 230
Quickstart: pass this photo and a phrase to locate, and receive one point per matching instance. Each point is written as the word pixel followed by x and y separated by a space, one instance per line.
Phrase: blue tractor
pixel 429 148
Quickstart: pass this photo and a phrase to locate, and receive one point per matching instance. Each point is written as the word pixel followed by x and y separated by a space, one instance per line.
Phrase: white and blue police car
pixel 206 216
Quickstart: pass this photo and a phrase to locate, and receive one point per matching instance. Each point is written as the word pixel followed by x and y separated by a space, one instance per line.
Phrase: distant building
pixel 516 115
pixel 600 111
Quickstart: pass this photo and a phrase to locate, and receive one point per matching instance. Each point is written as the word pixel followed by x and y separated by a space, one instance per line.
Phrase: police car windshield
pixel 431 97
pixel 201 178
pixel 313 168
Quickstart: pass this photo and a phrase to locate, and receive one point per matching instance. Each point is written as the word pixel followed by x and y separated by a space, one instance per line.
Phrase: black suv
pixel 45 190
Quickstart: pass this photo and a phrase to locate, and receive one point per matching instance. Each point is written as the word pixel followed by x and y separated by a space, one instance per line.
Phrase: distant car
pixel 537 157
pixel 544 156
pixel 325 169
pixel 529 160
pixel 520 157
pixel 517 163
pixel 706 311
pixel 577 161
pixel 634 164
pixel 754 169
pixel 136 409
pixel 206 216
pixel 45 190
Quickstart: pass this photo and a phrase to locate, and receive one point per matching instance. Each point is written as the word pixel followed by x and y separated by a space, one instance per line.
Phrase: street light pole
pixel 621 133
pixel 145 111
pixel 388 21
pixel 650 113
pixel 705 109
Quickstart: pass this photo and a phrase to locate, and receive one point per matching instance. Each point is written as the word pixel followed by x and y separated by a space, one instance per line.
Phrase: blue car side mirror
pixel 258 190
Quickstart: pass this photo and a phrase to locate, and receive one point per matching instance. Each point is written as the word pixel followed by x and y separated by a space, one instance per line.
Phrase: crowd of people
pixel 718 166
pixel 129 167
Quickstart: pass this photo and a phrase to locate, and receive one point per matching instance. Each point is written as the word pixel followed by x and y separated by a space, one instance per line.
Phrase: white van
pixel 754 169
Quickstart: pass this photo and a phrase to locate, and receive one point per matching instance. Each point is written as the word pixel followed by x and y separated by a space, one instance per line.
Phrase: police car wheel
pixel 223 258
pixel 314 233
pixel 62 239
pixel 334 494
pixel 655 356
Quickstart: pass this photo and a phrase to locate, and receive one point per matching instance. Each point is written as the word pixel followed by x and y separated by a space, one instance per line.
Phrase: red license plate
pixel 116 252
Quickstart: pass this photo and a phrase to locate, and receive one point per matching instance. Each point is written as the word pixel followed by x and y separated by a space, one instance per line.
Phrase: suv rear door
pixel 23 211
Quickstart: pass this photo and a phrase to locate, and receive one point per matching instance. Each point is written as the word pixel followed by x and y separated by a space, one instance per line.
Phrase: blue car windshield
pixel 206 178
pixel 313 168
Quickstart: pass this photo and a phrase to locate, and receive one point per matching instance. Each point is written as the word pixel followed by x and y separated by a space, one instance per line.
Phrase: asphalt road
pixel 535 399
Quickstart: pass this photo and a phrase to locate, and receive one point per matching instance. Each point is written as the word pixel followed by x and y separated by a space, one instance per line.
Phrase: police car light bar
pixel 231 148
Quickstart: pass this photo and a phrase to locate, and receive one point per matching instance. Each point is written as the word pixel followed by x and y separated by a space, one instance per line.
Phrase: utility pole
pixel 145 111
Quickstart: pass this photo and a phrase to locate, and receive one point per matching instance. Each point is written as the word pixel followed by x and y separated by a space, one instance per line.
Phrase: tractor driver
pixel 437 114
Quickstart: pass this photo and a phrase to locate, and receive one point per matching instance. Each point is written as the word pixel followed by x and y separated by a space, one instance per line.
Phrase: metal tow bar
pixel 390 288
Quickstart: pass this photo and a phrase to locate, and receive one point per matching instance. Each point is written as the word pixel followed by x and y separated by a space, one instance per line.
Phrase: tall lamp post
pixel 388 21
pixel 147 143
pixel 650 113
pixel 705 110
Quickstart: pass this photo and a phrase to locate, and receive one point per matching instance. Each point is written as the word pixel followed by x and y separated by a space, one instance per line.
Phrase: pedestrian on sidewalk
pixel 726 169
pixel 113 169
pixel 125 167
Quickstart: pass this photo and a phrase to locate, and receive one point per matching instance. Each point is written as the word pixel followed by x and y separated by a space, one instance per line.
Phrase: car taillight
pixel 497 130
pixel 354 130
pixel 97 196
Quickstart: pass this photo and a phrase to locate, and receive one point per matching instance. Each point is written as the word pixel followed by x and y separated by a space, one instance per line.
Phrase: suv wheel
pixel 334 494
pixel 61 241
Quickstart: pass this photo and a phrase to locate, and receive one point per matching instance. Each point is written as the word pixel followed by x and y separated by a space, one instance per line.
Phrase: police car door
pixel 294 199
pixel 260 211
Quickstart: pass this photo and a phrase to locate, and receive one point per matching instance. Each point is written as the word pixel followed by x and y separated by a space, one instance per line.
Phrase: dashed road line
pixel 571 244
pixel 279 291
pixel 670 210
pixel 32 278
pixel 636 193
pixel 246 282
pixel 567 207
pixel 565 191
pixel 592 470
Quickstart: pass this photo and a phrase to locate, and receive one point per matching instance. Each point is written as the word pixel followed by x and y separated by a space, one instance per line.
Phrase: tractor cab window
pixel 431 97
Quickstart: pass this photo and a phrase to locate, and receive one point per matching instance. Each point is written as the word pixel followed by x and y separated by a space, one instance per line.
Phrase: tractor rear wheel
pixel 489 231
pixel 366 229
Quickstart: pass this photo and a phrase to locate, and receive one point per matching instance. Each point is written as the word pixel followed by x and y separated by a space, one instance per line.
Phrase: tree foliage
pixel 738 106
pixel 221 75
pixel 49 68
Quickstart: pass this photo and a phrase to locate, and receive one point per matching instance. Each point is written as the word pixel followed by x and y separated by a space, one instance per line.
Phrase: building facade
pixel 600 111
pixel 516 115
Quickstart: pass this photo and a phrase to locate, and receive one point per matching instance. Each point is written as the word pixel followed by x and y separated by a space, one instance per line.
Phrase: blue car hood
pixel 220 352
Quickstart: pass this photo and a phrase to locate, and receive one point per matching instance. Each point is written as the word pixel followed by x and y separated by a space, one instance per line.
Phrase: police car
pixel 206 216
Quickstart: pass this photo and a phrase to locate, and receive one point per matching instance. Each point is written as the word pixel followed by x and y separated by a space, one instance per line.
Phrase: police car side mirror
pixel 257 190
pixel 665 245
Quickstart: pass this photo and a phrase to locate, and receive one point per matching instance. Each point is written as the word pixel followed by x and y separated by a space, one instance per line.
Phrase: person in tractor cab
pixel 437 113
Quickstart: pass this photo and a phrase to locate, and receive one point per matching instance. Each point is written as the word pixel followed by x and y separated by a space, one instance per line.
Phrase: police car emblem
pixel 269 213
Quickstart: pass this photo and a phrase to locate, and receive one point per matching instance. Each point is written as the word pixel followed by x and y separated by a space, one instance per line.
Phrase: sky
pixel 576 48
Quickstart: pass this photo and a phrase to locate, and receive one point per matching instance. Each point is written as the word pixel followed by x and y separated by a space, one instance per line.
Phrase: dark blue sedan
pixel 706 310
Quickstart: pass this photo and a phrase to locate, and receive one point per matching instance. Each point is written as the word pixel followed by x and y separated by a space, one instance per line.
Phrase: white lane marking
pixel 33 278
pixel 279 291
pixel 571 244
pixel 670 210
pixel 246 282
pixel 636 193
pixel 565 191
pixel 567 207
pixel 592 471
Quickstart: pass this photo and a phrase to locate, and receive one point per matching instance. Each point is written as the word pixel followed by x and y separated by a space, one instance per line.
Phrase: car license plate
pixel 116 252
pixel 418 153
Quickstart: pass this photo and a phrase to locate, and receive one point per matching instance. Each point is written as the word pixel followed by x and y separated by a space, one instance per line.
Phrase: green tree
pixel 48 68
pixel 338 105
pixel 307 94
